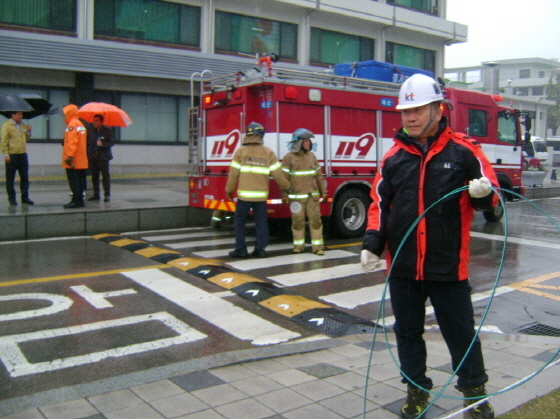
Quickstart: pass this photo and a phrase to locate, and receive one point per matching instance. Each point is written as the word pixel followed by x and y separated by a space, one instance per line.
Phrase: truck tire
pixel 349 216
pixel 496 213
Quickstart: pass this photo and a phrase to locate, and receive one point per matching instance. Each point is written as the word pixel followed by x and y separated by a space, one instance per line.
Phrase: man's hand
pixel 285 200
pixel 229 195
pixel 324 198
pixel 370 262
pixel 479 188
pixel 69 161
pixel 7 159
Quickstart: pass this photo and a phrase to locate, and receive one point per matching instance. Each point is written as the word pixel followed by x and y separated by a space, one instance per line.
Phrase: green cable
pixel 381 310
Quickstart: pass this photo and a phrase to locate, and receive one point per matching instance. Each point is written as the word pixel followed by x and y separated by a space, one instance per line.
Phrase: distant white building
pixel 522 83
pixel 147 57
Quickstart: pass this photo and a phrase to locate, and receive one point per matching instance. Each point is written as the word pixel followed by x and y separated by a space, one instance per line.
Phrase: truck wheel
pixel 349 215
pixel 496 213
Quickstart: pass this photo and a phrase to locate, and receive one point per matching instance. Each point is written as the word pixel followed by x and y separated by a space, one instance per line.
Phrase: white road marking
pixel 318 275
pixel 59 303
pixel 17 364
pixel 99 299
pixel 355 298
pixel 222 314
pixel 517 240
pixel 208 242
pixel 182 236
pixel 224 252
pixel 292 259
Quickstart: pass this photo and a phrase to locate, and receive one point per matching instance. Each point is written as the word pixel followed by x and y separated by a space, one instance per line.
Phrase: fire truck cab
pixel 354 121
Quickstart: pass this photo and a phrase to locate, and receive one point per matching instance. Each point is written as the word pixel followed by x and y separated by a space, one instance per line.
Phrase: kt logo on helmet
pixel 409 97
pixel 228 145
pixel 362 146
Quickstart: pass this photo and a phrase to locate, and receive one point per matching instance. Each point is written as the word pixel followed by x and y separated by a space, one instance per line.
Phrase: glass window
pixel 524 74
pixel 428 6
pixel 522 91
pixel 329 47
pixel 541 74
pixel 46 14
pixel 507 128
pixel 478 123
pixel 250 35
pixel 424 59
pixel 538 90
pixel 148 20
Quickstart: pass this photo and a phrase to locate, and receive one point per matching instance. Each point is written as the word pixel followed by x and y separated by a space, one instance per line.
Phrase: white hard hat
pixel 419 90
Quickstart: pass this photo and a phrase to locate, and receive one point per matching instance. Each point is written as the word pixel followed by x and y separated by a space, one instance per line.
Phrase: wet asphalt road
pixel 74 311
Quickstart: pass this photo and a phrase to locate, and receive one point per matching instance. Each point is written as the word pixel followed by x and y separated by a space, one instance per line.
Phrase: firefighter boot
pixel 472 395
pixel 415 404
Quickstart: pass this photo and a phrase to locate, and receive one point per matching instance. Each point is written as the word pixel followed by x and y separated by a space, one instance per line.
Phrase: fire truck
pixel 354 121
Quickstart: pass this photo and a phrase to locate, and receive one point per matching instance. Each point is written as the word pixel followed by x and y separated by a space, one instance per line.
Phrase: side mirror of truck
pixel 527 123
pixel 527 137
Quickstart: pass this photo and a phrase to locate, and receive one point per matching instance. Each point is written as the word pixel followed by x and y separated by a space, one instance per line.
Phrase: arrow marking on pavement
pixel 318 321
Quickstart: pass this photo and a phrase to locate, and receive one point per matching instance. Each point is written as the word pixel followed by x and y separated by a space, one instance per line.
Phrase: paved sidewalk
pixel 326 383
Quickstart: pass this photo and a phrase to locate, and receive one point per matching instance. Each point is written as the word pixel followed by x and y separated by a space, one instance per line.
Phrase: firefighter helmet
pixel 297 139
pixel 419 90
pixel 254 128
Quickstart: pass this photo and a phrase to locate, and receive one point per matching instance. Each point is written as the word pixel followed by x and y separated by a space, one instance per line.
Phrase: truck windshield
pixel 507 128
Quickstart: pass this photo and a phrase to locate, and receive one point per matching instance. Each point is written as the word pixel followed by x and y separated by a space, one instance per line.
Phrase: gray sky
pixel 504 29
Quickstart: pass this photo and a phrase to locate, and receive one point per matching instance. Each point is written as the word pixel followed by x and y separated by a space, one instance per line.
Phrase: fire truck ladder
pixel 300 77
pixel 194 166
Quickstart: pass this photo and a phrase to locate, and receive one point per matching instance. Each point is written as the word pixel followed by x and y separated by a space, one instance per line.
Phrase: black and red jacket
pixel 409 181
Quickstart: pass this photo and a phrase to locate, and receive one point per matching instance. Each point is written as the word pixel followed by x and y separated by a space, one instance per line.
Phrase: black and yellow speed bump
pixel 310 313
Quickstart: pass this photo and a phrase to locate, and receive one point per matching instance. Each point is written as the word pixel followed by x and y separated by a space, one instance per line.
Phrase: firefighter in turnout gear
pixel 301 168
pixel 249 173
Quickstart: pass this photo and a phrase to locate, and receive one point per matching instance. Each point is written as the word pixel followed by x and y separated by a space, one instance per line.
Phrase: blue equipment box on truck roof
pixel 377 70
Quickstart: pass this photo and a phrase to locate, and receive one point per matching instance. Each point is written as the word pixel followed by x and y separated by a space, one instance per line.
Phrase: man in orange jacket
pixel 74 156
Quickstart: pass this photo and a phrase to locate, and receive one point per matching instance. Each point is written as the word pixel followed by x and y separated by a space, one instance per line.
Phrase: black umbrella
pixel 13 103
pixel 36 106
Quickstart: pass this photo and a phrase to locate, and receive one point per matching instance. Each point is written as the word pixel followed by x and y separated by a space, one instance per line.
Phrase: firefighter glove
pixel 69 161
pixel 479 188
pixel 370 261
pixel 286 200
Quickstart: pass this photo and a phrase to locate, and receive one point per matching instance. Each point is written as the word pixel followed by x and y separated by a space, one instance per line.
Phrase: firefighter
pixel 306 179
pixel 426 162
pixel 249 173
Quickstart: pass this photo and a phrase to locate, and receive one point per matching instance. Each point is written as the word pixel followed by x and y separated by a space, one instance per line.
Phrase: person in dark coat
pixel 100 141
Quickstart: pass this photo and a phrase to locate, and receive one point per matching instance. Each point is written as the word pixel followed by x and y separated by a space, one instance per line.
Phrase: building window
pixel 251 35
pixel 59 15
pixel 538 90
pixel 423 59
pixel 522 91
pixel 329 47
pixel 148 20
pixel 524 74
pixel 541 74
pixel 427 6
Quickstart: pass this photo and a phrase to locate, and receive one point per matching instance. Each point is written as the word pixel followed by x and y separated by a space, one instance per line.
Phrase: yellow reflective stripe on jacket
pixel 301 172
pixel 275 166
pixel 252 194
pixel 318 242
pixel 235 165
pixel 314 194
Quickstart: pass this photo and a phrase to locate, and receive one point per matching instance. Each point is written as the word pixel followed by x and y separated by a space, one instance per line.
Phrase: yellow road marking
pixel 337 246
pixel 74 276
pixel 529 285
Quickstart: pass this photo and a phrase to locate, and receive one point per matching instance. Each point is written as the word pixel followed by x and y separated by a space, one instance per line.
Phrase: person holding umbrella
pixel 74 156
pixel 100 141
pixel 14 137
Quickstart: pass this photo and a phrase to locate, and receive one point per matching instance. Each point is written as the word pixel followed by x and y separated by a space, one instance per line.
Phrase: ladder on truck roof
pixel 300 77
pixel 196 126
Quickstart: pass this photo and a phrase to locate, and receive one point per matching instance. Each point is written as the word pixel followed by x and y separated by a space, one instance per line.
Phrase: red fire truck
pixel 354 121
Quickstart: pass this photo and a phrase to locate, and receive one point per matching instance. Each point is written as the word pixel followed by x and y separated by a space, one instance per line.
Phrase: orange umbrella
pixel 113 116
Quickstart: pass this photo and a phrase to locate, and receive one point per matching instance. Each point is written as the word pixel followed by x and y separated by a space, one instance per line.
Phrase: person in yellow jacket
pixel 302 169
pixel 14 137
pixel 249 173
pixel 74 156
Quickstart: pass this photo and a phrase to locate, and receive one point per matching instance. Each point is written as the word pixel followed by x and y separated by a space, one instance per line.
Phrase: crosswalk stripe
pixel 202 233
pixel 207 242
pixel 355 298
pixel 245 265
pixel 224 252
pixel 221 313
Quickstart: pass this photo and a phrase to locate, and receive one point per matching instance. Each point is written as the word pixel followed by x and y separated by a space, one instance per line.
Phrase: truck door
pixel 223 136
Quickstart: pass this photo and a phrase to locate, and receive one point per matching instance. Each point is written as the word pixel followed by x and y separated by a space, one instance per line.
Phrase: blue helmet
pixel 254 128
pixel 301 133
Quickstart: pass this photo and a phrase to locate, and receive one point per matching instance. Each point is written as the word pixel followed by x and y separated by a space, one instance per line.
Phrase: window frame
pixel 318 42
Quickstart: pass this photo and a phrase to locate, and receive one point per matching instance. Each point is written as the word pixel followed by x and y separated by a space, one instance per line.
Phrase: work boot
pixel 415 404
pixel 259 253
pixel 298 250
pixel 238 254
pixel 473 395
pixel 319 252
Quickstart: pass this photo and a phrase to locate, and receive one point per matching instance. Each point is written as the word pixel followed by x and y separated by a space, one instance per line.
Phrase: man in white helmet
pixel 428 161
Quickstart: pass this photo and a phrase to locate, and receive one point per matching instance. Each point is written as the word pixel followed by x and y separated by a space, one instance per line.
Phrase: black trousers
pixel 455 316
pixel 260 215
pixel 77 182
pixel 19 163
pixel 98 166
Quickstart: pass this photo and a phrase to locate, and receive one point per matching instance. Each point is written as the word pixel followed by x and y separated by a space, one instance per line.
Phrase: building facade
pixel 150 56
pixel 522 82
